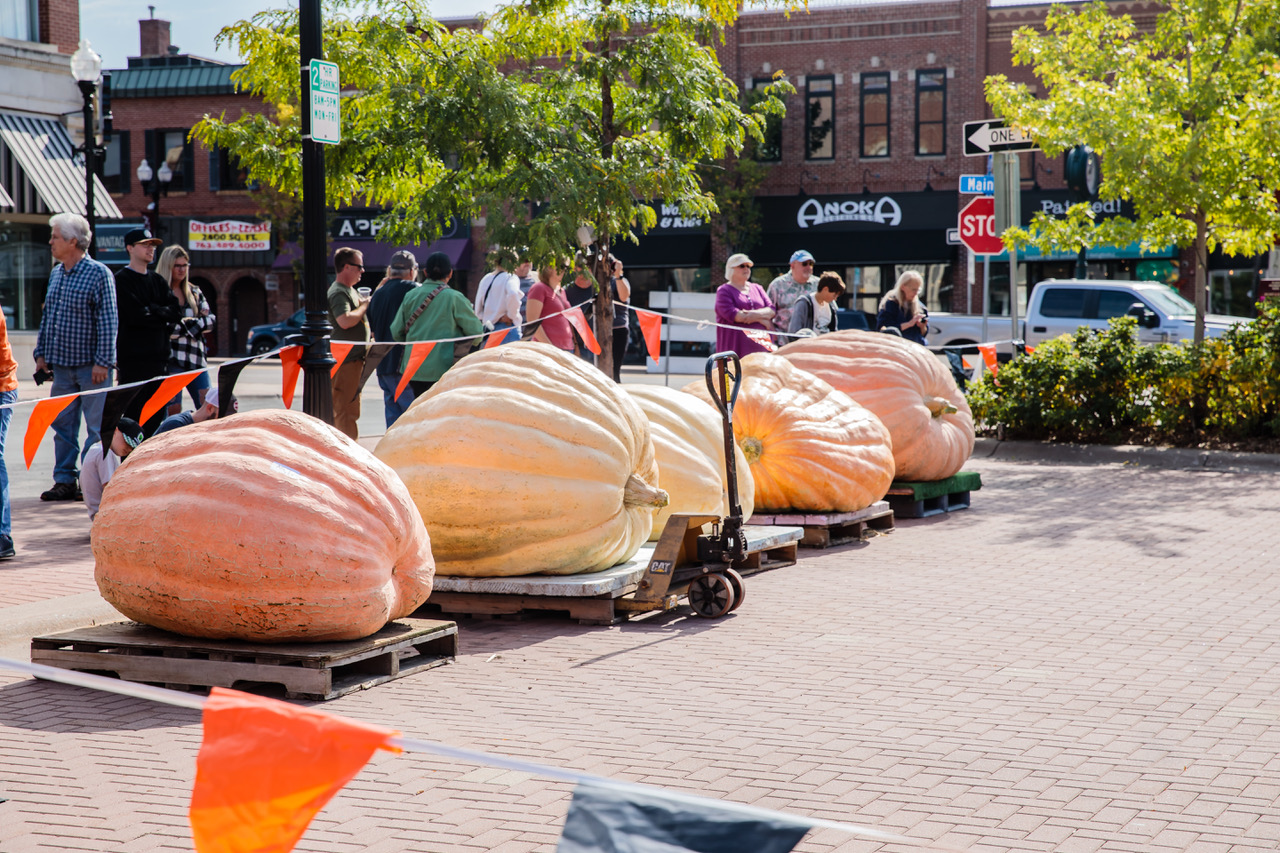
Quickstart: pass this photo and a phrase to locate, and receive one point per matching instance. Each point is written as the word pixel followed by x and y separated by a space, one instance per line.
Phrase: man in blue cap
pixel 790 286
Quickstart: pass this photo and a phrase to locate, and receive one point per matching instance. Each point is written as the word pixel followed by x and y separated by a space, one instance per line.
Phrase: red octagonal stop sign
pixel 977 227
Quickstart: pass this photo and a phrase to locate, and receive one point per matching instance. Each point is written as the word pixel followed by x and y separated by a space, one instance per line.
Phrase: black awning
pixel 666 251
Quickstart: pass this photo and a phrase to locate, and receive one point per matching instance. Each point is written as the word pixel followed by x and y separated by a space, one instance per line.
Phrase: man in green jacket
pixel 434 311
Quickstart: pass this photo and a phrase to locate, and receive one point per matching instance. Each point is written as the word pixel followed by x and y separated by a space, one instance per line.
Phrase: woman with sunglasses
pixel 742 303
pixel 186 339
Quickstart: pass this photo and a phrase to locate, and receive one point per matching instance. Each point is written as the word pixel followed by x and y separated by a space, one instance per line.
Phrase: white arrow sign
pixel 985 137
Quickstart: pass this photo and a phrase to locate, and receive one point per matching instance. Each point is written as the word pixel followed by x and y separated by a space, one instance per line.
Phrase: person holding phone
pixel 902 309
pixel 619 291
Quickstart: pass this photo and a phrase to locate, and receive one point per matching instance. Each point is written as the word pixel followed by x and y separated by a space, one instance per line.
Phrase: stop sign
pixel 977 227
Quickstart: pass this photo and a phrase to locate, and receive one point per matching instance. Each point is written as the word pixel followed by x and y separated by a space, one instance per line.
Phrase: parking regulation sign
pixel 326 115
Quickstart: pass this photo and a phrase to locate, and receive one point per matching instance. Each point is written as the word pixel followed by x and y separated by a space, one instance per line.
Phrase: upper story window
pixel 931 111
pixel 875 115
pixel 115 168
pixel 770 149
pixel 20 20
pixel 820 118
pixel 225 171
pixel 172 147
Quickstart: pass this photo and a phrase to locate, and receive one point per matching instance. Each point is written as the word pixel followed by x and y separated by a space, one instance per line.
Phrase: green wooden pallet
pixel 920 500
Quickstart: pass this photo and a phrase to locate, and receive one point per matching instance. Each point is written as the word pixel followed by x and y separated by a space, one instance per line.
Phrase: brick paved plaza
pixel 1087 659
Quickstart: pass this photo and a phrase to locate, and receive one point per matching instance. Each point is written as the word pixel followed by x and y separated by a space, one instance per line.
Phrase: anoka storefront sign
pixel 815 212
pixel 228 235
pixel 858 228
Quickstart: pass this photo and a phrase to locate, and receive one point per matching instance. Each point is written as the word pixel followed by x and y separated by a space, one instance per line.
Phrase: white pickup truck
pixel 1060 306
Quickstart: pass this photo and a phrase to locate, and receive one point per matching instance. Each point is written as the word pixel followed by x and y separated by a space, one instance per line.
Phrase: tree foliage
pixel 1183 118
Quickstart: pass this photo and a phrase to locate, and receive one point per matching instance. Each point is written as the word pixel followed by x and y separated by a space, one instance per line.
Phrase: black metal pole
pixel 90 142
pixel 1082 264
pixel 317 360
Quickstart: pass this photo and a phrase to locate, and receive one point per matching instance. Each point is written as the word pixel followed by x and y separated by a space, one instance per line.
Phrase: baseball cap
pixel 403 260
pixel 211 399
pixel 800 256
pixel 735 261
pixel 132 433
pixel 141 235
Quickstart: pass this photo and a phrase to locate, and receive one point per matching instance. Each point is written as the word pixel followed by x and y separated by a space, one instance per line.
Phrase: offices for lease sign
pixel 229 235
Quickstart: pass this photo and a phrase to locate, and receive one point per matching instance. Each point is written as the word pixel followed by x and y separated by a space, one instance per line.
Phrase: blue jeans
pixel 200 383
pixel 6 519
pixel 510 338
pixel 394 407
pixel 66 444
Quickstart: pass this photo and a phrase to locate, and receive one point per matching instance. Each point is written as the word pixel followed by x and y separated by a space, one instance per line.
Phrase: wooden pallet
pixel 591 599
pixel 135 652
pixel 921 500
pixel 823 530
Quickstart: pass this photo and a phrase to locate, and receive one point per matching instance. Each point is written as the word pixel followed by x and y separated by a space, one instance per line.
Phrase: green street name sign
pixel 326 115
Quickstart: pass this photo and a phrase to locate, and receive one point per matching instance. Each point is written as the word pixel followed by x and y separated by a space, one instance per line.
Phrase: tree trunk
pixel 604 309
pixel 1202 265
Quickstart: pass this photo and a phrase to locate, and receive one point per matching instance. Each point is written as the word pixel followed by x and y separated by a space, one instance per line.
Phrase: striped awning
pixel 5 201
pixel 44 153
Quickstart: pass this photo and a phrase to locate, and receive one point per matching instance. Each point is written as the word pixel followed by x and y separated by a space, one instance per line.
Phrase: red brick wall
pixel 154 37
pixel 60 24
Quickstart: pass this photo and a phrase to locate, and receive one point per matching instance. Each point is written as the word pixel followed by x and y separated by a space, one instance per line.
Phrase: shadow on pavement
pixel 44 706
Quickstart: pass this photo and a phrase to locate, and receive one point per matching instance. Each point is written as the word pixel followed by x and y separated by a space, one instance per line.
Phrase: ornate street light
pixel 86 67
pixel 162 176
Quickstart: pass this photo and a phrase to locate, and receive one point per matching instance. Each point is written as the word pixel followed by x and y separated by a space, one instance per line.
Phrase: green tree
pixel 553 120
pixel 1183 118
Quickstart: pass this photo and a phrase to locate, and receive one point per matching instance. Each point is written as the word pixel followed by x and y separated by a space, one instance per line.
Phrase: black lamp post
pixel 162 177
pixel 86 67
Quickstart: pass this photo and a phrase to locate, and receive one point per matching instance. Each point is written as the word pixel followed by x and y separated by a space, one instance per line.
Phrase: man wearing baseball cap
pixel 99 465
pixel 148 310
pixel 790 286
pixel 402 274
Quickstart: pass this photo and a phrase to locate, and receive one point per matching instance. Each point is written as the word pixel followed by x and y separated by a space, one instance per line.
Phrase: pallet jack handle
pixel 724 378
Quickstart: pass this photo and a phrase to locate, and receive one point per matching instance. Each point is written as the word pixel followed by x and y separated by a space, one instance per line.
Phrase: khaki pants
pixel 346 396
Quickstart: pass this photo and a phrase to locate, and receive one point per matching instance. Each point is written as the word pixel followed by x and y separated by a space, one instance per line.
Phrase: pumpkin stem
pixel 752 448
pixel 639 493
pixel 939 407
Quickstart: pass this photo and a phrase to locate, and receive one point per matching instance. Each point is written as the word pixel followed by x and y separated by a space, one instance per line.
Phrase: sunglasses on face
pixel 806 263
pixel 744 266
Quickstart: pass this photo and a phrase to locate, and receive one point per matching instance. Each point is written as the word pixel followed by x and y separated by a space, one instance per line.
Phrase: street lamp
pixel 163 176
pixel 86 67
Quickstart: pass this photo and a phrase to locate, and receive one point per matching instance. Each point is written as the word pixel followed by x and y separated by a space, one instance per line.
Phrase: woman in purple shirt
pixel 743 303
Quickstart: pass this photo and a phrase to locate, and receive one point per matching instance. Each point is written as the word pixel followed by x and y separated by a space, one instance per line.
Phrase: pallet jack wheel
pixel 739 588
pixel 710 596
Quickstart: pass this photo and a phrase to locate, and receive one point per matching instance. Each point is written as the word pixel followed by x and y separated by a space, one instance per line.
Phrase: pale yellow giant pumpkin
pixel 269 526
pixel 524 459
pixel 688 435
pixel 810 446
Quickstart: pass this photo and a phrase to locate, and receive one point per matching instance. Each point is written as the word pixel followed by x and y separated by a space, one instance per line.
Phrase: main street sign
pixel 325 93
pixel 977 185
pixel 990 135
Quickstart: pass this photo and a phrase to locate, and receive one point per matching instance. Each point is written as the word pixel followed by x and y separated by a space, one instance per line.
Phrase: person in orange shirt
pixel 8 396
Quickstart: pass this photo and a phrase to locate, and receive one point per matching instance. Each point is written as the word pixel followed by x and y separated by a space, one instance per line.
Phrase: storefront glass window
pixel 1232 292
pixel 24 272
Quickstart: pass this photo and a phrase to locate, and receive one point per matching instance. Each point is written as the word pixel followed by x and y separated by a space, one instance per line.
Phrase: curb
pixel 1168 458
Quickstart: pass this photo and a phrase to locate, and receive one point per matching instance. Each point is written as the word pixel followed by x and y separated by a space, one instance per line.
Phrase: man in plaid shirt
pixel 77 342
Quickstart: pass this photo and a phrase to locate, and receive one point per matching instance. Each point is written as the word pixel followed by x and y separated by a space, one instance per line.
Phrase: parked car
pixel 268 336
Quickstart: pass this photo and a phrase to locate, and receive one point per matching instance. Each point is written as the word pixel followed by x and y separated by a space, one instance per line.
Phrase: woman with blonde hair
pixel 546 306
pixel 901 309
pixel 186 339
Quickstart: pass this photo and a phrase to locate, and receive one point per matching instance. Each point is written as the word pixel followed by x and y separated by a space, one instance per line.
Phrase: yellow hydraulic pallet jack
pixel 686 562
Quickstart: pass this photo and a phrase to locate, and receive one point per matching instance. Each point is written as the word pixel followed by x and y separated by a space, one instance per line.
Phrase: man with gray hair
pixel 77 343
pixel 401 278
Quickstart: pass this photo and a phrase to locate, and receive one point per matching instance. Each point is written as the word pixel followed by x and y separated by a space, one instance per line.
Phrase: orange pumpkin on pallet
pixel 524 459
pixel 269 526
pixel 906 386
pixel 810 447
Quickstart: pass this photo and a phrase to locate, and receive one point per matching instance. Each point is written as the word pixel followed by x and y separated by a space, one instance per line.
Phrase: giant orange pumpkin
pixel 268 526
pixel 688 435
pixel 524 459
pixel 810 447
pixel 908 389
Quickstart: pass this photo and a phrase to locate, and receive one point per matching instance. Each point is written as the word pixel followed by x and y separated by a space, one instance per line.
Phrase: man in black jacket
pixel 148 310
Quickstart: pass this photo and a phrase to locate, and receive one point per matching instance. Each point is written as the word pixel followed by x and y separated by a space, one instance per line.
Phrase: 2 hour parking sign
pixel 326 116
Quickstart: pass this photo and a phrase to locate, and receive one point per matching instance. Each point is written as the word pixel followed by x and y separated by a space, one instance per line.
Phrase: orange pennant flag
pixel 1030 349
pixel 340 350
pixel 417 354
pixel 169 389
pixel 651 328
pixel 579 322
pixel 289 357
pixel 496 338
pixel 989 357
pixel 38 424
pixel 265 768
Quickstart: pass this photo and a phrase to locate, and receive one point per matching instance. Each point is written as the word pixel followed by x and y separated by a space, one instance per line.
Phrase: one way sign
pixel 990 135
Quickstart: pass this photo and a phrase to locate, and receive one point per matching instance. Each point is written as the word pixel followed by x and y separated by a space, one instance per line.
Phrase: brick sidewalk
pixel 1084 661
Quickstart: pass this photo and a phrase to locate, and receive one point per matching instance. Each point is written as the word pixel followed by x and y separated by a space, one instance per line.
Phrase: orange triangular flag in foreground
pixel 340 350
pixel 266 767
pixel 1030 349
pixel 169 388
pixel 290 367
pixel 417 354
pixel 496 338
pixel 579 322
pixel 651 328
pixel 989 357
pixel 38 424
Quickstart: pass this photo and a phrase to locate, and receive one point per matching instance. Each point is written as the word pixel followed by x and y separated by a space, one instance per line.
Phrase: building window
pixel 820 105
pixel 20 20
pixel 875 115
pixel 114 170
pixel 173 147
pixel 931 112
pixel 225 171
pixel 770 149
